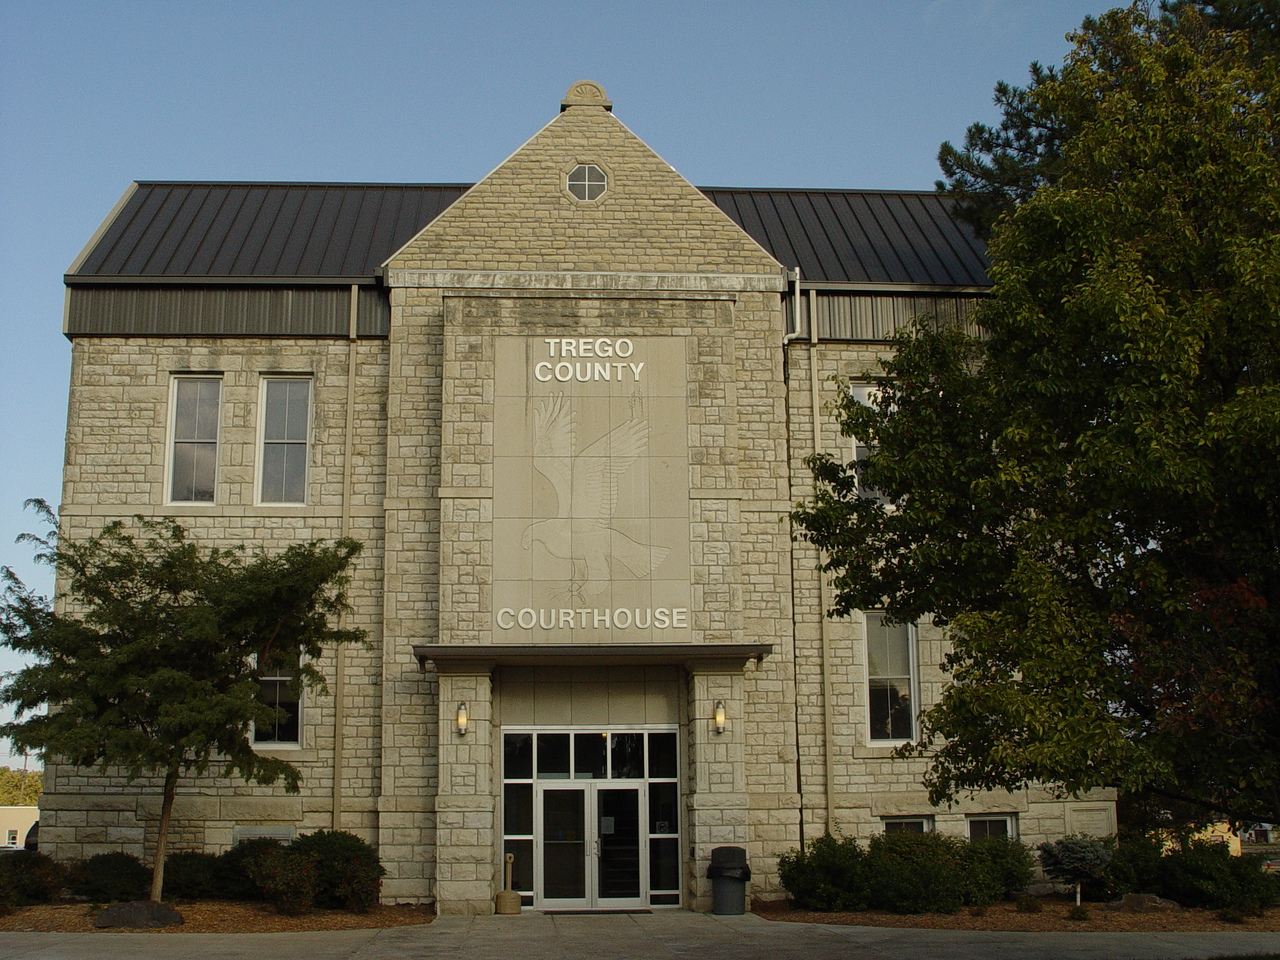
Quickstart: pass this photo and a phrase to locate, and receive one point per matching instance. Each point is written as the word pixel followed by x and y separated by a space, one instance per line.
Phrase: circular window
pixel 587 181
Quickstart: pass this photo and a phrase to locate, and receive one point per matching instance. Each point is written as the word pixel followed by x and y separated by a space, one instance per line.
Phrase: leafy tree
pixel 20 788
pixel 151 656
pixel 1088 494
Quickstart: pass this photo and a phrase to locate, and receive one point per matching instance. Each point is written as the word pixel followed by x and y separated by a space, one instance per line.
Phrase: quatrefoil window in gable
pixel 587 181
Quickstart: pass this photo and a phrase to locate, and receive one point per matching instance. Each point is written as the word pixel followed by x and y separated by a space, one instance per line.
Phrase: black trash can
pixel 728 874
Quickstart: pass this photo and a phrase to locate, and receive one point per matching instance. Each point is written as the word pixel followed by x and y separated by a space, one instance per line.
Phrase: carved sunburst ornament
pixel 586 93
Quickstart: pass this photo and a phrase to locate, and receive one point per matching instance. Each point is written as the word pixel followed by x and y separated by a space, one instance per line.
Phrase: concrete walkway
pixel 658 936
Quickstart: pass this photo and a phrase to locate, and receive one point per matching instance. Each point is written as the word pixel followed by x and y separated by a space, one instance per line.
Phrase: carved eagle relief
pixel 586 488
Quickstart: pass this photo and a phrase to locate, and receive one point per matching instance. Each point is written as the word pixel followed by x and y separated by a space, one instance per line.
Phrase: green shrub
pixel 30 877
pixel 828 874
pixel 348 874
pixel 1134 868
pixel 996 868
pixel 915 872
pixel 1204 874
pixel 110 878
pixel 1231 915
pixel 192 876
pixel 288 879
pixel 8 894
pixel 1078 912
pixel 235 881
pixel 905 873
pixel 1029 904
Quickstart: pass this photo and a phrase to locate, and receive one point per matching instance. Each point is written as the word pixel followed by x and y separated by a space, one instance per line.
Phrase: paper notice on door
pixel 606 825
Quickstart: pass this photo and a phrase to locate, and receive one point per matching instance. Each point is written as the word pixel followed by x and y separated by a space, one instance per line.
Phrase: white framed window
pixel 193 456
pixel 983 825
pixel 866 394
pixel 586 181
pixel 280 687
pixel 286 432
pixel 907 824
pixel 891 680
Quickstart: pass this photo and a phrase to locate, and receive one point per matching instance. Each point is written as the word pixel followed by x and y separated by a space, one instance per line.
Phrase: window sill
pixel 283 751
pixel 878 750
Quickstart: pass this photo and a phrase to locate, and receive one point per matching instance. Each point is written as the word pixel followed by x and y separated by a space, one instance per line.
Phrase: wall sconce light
pixel 719 720
pixel 462 718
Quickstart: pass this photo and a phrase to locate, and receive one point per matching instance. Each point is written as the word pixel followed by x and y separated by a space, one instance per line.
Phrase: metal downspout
pixel 340 655
pixel 789 337
pixel 828 723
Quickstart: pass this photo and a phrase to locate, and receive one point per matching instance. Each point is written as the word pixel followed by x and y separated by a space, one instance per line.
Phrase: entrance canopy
pixel 473 656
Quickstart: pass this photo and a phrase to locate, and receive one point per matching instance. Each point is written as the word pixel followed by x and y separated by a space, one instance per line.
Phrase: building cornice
pixel 586 280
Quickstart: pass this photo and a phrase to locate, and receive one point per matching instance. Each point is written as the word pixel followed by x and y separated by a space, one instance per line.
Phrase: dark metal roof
pixel 344 232
pixel 859 236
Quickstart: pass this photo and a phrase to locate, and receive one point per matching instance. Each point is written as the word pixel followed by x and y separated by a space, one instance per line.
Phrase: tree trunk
pixel 1078 886
pixel 162 837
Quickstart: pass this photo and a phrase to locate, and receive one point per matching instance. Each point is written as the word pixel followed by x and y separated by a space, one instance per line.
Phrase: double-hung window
pixel 867 395
pixel 986 825
pixel 907 824
pixel 286 422
pixel 280 688
pixel 194 458
pixel 891 679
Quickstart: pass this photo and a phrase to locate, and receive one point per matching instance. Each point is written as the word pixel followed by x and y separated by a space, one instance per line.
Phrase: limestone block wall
pixel 411 607
pixel 117 446
pixel 849 785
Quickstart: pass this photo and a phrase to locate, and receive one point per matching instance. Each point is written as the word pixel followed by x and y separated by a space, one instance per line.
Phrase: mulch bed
pixel 217 916
pixel 1005 916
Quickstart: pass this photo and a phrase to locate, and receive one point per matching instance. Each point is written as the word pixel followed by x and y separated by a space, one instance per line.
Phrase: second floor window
pixel 286 422
pixel 195 439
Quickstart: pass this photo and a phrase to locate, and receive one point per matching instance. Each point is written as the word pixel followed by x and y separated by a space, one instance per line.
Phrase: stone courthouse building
pixel 566 411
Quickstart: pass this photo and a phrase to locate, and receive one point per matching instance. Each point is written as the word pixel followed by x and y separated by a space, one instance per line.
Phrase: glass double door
pixel 591 816
pixel 590 850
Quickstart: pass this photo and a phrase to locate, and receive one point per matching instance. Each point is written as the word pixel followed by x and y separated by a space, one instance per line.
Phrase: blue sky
pixel 95 94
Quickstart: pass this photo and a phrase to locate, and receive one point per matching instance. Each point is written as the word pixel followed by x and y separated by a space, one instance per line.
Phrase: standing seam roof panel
pixel 927 252
pixel 281 230
pixel 215 236
pixel 896 260
pixel 872 249
pixel 280 242
pixel 775 237
pixel 830 265
pixel 240 208
pixel 853 266
pixel 963 247
pixel 126 233
pixel 138 257
pixel 186 246
pixel 371 204
pixel 258 229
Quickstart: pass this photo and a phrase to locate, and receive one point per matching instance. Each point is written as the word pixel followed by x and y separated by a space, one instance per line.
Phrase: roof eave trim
pixel 834 285
pixel 193 280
